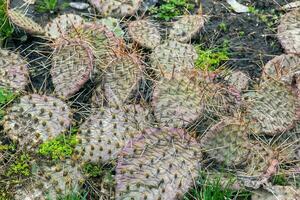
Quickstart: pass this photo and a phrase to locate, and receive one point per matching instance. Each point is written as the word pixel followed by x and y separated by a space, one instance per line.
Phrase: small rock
pixel 79 5
pixel 237 7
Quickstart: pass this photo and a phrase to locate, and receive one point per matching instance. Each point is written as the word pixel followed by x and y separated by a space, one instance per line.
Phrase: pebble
pixel 79 5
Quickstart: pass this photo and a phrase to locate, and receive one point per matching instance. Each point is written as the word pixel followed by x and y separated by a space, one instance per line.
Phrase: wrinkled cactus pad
pixel 72 64
pixel 158 164
pixel 122 78
pixel 52 181
pixel 177 102
pixel 272 108
pixel 13 70
pixel 116 8
pixel 60 25
pixel 107 130
pixel 186 27
pixel 145 33
pixel 27 24
pixel 36 118
pixel 288 32
pixel 172 57
pixel 227 142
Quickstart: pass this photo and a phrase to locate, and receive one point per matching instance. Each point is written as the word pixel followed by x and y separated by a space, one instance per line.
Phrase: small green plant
pixel 279 179
pixel 60 147
pixel 210 59
pixel 6 97
pixel 6 147
pixel 171 8
pixel 92 170
pixel 44 6
pixel 223 27
pixel 21 166
pixel 6 29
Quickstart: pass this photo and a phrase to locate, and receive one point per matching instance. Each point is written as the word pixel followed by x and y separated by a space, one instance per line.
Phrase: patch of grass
pixel 60 147
pixel 46 6
pixel 211 59
pixel 21 166
pixel 92 170
pixel 279 179
pixel 171 8
pixel 6 97
pixel 6 29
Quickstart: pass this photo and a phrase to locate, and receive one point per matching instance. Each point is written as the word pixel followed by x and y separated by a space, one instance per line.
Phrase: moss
pixel 60 147
pixel 92 170
pixel 21 166
pixel 6 29
pixel 171 8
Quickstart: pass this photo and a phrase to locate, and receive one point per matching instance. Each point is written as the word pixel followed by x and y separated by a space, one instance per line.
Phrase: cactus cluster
pixel 145 33
pixel 13 70
pixel 35 119
pixel 186 27
pixel 158 164
pixel 107 130
pixel 288 32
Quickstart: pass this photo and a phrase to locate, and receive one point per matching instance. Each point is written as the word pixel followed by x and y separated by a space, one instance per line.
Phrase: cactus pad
pixel 145 33
pixel 72 64
pixel 227 142
pixel 158 164
pixel 35 119
pixel 172 57
pixel 186 27
pixel 122 78
pixel 105 133
pixel 277 193
pixel 24 22
pixel 52 181
pixel 272 109
pixel 288 32
pixel 177 103
pixel 61 25
pixel 283 68
pixel 13 70
pixel 116 8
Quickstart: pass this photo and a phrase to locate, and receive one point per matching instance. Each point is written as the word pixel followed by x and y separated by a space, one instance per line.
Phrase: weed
pixel 6 147
pixel 6 29
pixel 44 6
pixel 6 97
pixel 60 147
pixel 21 166
pixel 92 170
pixel 171 8
pixel 210 59
pixel 279 179
pixel 223 27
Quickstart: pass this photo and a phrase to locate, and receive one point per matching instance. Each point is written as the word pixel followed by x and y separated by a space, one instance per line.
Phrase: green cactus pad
pixel 282 68
pixel 186 27
pixel 288 32
pixel 72 64
pixel 145 33
pixel 227 142
pixel 158 164
pixel 27 24
pixel 177 103
pixel 116 8
pixel 113 25
pixel 60 25
pixel 13 70
pixel 122 78
pixel 36 118
pixel 172 57
pixel 52 181
pixel 107 130
pixel 272 108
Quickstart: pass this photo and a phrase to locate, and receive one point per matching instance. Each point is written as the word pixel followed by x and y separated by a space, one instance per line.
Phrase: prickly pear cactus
pixel 122 78
pixel 116 8
pixel 107 130
pixel 186 27
pixel 158 164
pixel 272 109
pixel 36 118
pixel 288 32
pixel 60 25
pixel 277 193
pixel 72 64
pixel 27 24
pixel 283 68
pixel 113 25
pixel 145 33
pixel 52 181
pixel 13 70
pixel 237 79
pixel 227 142
pixel 177 103
pixel 172 57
